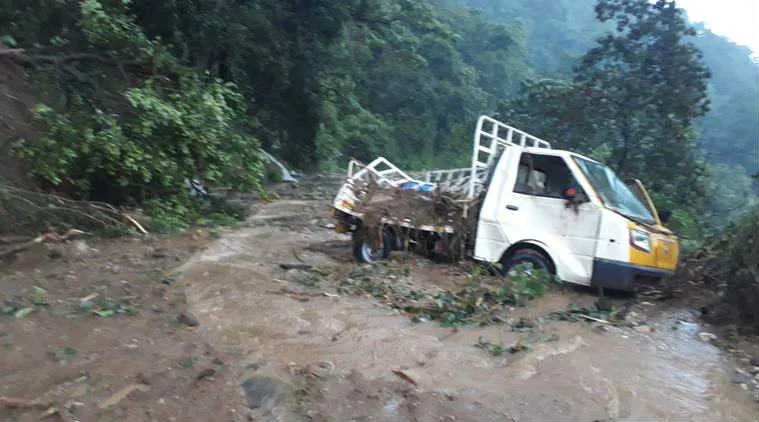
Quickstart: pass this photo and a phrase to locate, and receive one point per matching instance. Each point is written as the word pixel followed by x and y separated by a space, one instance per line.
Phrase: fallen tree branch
pixel 11 51
pixel 286 266
pixel 20 403
pixel 24 210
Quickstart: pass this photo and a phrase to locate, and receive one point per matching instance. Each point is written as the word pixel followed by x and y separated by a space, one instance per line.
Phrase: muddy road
pixel 300 351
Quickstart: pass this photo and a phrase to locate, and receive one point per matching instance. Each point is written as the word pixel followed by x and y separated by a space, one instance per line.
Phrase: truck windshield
pixel 614 192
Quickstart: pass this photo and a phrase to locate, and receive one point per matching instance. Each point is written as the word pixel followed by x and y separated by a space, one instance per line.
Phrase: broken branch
pixel 20 403
pixel 602 321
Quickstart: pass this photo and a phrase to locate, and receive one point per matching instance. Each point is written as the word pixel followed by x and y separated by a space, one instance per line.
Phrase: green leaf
pixel 104 314
pixel 8 40
pixel 188 362
pixel 39 295
pixel 23 312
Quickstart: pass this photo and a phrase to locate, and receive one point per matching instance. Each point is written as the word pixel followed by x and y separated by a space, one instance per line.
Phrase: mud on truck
pixel 519 202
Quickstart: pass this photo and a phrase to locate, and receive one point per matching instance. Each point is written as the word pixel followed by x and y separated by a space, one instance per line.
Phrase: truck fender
pixel 565 269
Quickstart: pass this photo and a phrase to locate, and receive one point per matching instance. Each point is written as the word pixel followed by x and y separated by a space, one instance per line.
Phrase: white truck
pixel 557 210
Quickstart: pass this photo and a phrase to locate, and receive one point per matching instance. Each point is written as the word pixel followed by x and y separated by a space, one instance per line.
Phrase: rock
pixel 755 370
pixel 56 252
pixel 604 304
pixel 704 336
pixel 143 379
pixel 330 226
pixel 188 319
pixel 261 392
pixel 206 373
pixel 320 369
pixel 740 376
pixel 645 329
pixel 157 253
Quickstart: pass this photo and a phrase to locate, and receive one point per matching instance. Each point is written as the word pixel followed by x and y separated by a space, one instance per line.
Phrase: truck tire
pixel 365 253
pixel 528 256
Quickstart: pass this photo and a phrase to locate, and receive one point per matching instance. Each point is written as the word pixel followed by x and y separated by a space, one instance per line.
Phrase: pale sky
pixel 737 20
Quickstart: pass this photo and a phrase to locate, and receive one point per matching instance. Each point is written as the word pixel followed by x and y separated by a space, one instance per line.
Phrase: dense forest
pixel 133 96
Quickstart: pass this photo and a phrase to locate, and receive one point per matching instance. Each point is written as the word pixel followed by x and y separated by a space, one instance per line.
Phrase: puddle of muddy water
pixel 585 375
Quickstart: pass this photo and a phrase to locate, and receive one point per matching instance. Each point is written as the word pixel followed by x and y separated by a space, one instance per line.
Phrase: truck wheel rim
pixel 367 252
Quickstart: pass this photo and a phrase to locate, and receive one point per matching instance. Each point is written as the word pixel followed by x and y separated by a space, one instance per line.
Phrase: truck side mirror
pixel 664 216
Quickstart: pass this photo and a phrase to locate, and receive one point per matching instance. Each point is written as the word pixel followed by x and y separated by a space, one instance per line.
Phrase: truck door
pixel 540 209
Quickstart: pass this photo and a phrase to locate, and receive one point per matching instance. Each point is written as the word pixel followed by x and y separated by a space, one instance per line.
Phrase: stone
pixel 645 329
pixel 188 319
pixel 56 252
pixel 261 392
pixel 704 336
pixel 740 376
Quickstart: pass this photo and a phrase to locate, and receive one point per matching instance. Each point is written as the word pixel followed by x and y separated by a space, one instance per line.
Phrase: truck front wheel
pixel 528 256
pixel 366 252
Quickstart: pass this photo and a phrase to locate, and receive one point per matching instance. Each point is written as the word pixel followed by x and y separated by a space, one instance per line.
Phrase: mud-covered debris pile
pixel 729 265
pixel 453 215
pixel 485 300
pixel 404 205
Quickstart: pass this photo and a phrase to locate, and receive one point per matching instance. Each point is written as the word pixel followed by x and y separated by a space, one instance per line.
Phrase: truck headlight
pixel 640 239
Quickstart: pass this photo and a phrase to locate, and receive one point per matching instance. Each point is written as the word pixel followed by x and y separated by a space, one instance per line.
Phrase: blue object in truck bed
pixel 418 187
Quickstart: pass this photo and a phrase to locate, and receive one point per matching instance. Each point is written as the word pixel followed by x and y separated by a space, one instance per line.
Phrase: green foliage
pixel 165 137
pixel 494 350
pixel 318 82
pixel 179 212
pixel 727 263
pixel 477 303
pixel 526 283
pixel 39 296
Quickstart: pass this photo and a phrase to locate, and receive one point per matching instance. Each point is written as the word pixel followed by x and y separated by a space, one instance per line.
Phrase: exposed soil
pixel 138 364
pixel 260 340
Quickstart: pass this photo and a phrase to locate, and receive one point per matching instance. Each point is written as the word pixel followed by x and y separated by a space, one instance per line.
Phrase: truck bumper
pixel 344 223
pixel 622 275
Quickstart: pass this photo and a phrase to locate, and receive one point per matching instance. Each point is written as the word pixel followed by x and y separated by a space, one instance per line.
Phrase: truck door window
pixel 543 175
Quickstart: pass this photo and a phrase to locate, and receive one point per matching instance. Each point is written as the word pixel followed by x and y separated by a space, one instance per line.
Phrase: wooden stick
pixel 135 223
pixel 602 321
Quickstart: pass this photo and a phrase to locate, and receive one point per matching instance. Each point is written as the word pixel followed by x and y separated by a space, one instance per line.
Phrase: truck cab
pixel 587 225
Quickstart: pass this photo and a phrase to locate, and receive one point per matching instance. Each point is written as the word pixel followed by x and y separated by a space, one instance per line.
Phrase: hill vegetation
pixel 135 96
